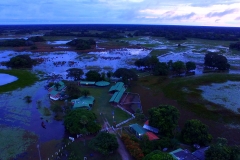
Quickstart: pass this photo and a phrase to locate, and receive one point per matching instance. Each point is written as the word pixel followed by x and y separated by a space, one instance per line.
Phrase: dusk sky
pixel 167 12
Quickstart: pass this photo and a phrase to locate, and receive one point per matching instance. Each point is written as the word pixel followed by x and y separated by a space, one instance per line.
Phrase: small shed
pixel 137 129
pixel 200 153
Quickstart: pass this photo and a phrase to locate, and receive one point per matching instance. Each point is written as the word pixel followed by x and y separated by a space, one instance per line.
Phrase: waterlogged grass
pixel 157 52
pixel 225 94
pixel 25 78
pixel 185 91
pixel 14 141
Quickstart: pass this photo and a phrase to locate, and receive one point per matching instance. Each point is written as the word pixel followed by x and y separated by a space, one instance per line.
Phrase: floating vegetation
pixel 14 141
pixel 226 94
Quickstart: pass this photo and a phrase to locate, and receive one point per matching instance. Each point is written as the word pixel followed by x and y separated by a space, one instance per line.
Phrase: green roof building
pixel 86 83
pixel 54 93
pixel 117 87
pixel 83 102
pixel 137 129
pixel 102 83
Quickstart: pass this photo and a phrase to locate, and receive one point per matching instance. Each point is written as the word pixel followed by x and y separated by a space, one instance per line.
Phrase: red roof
pixel 151 136
pixel 147 122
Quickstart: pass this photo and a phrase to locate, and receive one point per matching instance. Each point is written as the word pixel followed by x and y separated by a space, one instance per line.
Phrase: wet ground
pixel 16 113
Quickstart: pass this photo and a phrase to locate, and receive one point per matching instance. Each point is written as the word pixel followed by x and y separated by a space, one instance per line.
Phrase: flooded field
pixel 6 78
pixel 21 118
pixel 225 94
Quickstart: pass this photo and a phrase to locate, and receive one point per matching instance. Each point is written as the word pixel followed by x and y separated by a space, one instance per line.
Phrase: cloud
pixel 221 14
pixel 217 20
pixel 183 16
pixel 238 18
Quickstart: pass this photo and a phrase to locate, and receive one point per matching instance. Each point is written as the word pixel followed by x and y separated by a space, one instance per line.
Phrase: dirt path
pixel 121 148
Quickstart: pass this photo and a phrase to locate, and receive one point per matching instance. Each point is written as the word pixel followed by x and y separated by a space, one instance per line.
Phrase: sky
pixel 157 12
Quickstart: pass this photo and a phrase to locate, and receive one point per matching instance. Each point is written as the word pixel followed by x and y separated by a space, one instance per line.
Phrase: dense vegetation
pixel 215 60
pixel 235 46
pixel 36 39
pixel 81 121
pixel 81 44
pixel 21 61
pixel 104 143
pixel 15 43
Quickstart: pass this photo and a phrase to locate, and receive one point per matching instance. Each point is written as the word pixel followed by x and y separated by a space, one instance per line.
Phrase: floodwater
pixel 15 112
pixel 225 94
pixel 6 78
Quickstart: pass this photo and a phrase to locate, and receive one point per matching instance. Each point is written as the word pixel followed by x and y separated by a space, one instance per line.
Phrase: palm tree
pixel 85 93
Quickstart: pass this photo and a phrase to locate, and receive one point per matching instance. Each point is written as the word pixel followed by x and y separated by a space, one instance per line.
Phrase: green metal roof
pixel 87 82
pixel 113 97
pixel 53 90
pixel 117 87
pixel 83 102
pixel 137 128
pixel 102 83
pixel 119 95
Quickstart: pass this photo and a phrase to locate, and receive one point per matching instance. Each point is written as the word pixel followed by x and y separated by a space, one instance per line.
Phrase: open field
pixel 103 106
pixel 155 91
pixel 22 80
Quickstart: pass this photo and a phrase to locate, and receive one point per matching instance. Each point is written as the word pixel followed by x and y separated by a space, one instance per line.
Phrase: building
pixel 181 154
pixel 139 131
pixel 83 102
pixel 56 91
pixel 118 90
pixel 150 128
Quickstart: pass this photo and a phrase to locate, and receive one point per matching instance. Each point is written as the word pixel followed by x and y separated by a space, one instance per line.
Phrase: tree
pixel 179 67
pixel 21 61
pixel 161 68
pixel 165 118
pixel 84 121
pixel 190 66
pixel 76 73
pixel 93 76
pixel 104 143
pixel 195 132
pixel 158 155
pixel 75 122
pixel 146 145
pixel 125 74
pixel 212 59
pixel 73 90
pixel 109 74
pixel 85 92
pixel 221 151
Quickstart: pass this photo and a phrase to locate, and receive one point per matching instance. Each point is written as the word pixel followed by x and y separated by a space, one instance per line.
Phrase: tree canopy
pixel 179 67
pixel 215 60
pixel 104 143
pixel 93 76
pixel 73 90
pixel 21 61
pixel 165 118
pixel 221 151
pixel 190 66
pixel 81 44
pixel 195 132
pixel 81 121
pixel 76 73
pixel 125 74
pixel 158 155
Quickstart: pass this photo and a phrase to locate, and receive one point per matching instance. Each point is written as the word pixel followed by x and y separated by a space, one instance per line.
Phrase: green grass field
pixel 103 106
pixel 25 78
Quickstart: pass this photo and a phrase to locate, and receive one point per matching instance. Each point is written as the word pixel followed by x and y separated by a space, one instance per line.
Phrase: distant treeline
pixel 21 42
pixel 116 31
